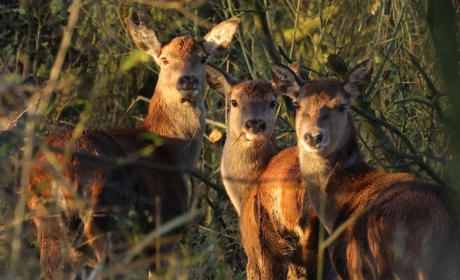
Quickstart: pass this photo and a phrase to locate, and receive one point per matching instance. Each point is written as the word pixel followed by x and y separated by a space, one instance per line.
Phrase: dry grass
pixel 94 77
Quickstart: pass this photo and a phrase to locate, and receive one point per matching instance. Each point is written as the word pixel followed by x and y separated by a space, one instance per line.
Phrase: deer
pixel 280 230
pixel 388 225
pixel 14 97
pixel 15 100
pixel 88 201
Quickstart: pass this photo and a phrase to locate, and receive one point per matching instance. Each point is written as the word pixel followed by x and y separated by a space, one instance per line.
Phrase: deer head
pixel 322 118
pixel 253 105
pixel 182 60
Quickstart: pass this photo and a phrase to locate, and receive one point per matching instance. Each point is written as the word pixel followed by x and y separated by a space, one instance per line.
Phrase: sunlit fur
pixel 399 228
pixel 278 225
pixel 96 197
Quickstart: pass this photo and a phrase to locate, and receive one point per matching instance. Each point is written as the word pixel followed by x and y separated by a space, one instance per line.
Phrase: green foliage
pixel 403 120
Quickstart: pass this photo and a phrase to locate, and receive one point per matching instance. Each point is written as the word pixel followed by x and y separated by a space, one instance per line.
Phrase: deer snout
pixel 313 139
pixel 187 83
pixel 255 126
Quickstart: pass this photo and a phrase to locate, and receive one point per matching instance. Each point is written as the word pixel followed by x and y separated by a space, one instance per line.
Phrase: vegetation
pixel 91 75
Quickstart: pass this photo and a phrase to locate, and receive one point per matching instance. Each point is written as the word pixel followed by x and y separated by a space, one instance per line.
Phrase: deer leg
pixel 58 259
pixel 296 272
pixel 266 267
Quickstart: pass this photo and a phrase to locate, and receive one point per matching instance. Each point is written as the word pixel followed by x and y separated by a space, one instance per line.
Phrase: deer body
pixel 398 227
pixel 176 114
pixel 278 226
pixel 242 164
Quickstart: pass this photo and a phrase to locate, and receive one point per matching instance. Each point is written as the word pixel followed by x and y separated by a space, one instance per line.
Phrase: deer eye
pixel 342 108
pixel 296 105
pixel 204 59
pixel 234 103
pixel 273 104
pixel 165 61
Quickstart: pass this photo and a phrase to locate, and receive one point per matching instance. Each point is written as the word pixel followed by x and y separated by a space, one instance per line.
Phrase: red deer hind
pixel 278 225
pixel 176 114
pixel 398 227
pixel 14 97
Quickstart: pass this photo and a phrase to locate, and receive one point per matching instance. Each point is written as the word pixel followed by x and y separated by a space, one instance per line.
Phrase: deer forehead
pixel 248 91
pixel 320 101
pixel 182 47
pixel 324 93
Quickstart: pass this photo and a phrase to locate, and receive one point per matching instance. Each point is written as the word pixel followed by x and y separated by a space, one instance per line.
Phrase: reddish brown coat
pixel 395 227
pixel 278 225
pixel 280 229
pixel 94 194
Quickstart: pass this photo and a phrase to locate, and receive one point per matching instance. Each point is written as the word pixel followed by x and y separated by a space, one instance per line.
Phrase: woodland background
pixel 90 74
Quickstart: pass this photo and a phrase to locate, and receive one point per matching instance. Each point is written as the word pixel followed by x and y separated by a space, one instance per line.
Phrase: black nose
pixel 255 126
pixel 312 140
pixel 187 82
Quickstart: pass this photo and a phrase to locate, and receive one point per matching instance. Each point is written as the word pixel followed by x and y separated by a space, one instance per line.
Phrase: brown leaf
pixel 215 135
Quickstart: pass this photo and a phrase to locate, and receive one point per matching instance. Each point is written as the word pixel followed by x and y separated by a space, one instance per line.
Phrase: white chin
pixel 188 92
pixel 253 137
pixel 309 149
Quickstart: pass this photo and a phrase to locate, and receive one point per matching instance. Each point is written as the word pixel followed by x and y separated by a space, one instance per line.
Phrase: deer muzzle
pixel 314 142
pixel 187 86
pixel 254 129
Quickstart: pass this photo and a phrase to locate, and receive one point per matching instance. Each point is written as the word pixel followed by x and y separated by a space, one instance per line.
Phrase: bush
pixel 98 79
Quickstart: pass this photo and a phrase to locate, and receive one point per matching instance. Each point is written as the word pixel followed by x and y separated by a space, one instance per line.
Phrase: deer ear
pixel 30 80
pixel 284 80
pixel 4 71
pixel 219 80
pixel 220 37
pixel 359 78
pixel 144 38
pixel 295 67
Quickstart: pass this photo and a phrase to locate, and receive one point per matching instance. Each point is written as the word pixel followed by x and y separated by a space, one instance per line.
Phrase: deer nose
pixel 255 126
pixel 187 82
pixel 313 140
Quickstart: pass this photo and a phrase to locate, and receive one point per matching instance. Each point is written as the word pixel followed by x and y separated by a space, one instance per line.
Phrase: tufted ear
pixel 30 80
pixel 220 37
pixel 359 78
pixel 4 71
pixel 284 80
pixel 219 80
pixel 144 38
pixel 295 67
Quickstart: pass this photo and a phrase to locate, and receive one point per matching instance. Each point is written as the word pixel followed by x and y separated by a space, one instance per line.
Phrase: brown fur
pixel 278 225
pixel 95 195
pixel 184 46
pixel 399 228
pixel 14 98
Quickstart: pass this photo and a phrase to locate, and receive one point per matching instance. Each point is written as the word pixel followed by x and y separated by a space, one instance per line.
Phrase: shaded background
pixel 408 120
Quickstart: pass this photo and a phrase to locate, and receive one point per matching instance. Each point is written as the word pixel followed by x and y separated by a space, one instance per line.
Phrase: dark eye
pixel 164 60
pixel 342 108
pixel 296 105
pixel 234 103
pixel 273 104
pixel 204 59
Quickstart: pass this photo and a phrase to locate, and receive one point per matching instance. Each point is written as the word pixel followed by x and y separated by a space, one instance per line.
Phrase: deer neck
pixel 242 164
pixel 180 125
pixel 328 199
